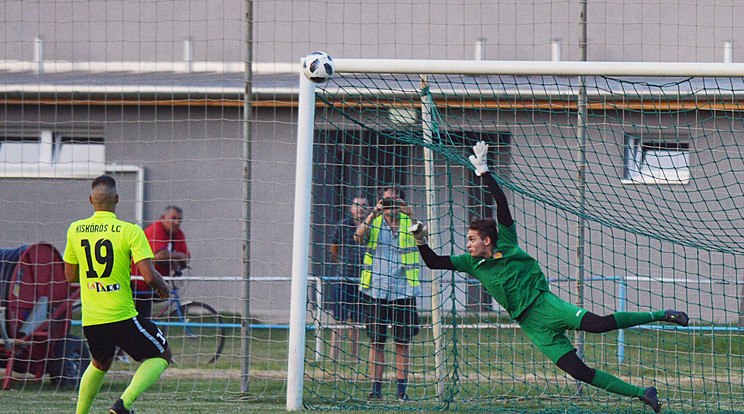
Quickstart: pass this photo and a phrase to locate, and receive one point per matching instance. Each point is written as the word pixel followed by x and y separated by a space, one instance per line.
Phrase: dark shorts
pixel 545 322
pixel 138 337
pixel 345 302
pixel 400 313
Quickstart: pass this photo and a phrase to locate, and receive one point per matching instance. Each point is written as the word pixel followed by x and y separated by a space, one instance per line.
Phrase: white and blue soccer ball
pixel 318 67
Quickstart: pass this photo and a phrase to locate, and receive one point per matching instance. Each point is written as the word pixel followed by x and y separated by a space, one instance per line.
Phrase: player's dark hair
pixel 177 209
pixel 105 180
pixel 486 227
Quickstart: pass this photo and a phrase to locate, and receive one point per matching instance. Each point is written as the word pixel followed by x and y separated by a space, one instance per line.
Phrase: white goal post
pixel 305 133
pixel 486 67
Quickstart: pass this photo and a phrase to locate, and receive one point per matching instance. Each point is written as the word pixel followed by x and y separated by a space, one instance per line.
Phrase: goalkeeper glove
pixel 419 232
pixel 479 159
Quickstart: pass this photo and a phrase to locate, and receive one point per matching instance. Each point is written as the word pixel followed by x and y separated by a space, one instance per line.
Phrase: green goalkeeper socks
pixel 628 319
pixel 90 384
pixel 146 375
pixel 615 385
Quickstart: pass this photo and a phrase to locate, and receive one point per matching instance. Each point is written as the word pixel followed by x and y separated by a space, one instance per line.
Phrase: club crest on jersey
pixel 100 287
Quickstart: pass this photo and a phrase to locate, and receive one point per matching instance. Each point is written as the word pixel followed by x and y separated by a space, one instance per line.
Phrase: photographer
pixel 389 285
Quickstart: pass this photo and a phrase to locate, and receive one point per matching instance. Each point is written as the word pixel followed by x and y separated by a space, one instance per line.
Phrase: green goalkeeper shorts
pixel 545 322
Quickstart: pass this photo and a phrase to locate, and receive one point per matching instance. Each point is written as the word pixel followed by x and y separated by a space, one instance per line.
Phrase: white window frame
pixel 45 153
pixel 658 160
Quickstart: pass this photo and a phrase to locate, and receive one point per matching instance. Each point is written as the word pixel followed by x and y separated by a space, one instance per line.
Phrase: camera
pixel 389 202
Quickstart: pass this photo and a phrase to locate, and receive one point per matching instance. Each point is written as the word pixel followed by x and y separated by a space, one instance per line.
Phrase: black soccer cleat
pixel 402 396
pixel 651 399
pixel 674 316
pixel 118 408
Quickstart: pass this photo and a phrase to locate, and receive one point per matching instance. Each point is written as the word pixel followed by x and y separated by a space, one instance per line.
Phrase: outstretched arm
pixel 431 259
pixel 503 215
pixel 479 159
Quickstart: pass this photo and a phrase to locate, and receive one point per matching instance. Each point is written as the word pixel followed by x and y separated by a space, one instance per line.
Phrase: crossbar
pixel 505 67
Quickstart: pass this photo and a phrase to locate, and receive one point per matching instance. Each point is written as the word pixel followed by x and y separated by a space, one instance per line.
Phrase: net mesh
pixel 634 209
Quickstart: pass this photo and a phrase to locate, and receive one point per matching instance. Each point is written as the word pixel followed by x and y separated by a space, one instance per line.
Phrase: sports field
pixel 32 401
pixel 490 368
pixel 498 367
pixel 189 385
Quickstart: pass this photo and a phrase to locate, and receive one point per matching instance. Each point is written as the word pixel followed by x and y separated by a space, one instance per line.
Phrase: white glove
pixel 479 159
pixel 419 232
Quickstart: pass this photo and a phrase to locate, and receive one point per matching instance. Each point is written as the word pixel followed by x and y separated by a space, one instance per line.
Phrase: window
pixel 20 149
pixel 664 160
pixel 46 153
pixel 70 149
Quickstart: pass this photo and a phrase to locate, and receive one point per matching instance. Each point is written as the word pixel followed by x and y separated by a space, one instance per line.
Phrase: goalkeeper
pixel 516 281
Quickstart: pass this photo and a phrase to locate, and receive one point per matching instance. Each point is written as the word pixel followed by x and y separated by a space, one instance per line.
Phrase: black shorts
pixel 400 313
pixel 345 302
pixel 138 337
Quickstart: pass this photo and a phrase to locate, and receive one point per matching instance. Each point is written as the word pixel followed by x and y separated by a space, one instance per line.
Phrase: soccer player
pixel 516 281
pixel 99 253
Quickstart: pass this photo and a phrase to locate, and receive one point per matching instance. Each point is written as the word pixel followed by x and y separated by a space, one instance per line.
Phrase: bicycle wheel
pixel 196 334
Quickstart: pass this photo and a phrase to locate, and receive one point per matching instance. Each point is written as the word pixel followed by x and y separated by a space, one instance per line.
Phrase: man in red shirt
pixel 168 244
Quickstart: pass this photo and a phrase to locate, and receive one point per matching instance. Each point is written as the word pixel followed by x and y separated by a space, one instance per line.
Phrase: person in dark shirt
pixel 347 256
pixel 517 282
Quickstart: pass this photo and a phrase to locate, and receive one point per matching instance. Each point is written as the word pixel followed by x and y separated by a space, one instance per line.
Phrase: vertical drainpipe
pixel 38 55
pixel 188 55
pixel 728 51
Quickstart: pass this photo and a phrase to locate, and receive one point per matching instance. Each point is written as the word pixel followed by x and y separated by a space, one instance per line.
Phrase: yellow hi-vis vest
pixel 407 244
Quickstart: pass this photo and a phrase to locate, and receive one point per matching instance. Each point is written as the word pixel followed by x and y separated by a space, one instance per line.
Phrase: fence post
pixel 621 299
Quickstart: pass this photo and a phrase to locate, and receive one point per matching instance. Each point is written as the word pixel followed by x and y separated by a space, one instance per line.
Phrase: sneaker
pixel 118 408
pixel 402 396
pixel 373 396
pixel 651 399
pixel 678 317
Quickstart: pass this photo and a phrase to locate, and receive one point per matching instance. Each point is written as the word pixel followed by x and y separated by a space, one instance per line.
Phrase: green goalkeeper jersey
pixel 512 276
pixel 104 247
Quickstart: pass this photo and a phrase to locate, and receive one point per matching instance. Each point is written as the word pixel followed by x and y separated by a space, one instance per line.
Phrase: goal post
pixel 300 239
pixel 622 178
pixel 548 68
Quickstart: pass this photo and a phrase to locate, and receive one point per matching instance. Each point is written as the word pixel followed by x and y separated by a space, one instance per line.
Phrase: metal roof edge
pixel 122 91
pixel 58 66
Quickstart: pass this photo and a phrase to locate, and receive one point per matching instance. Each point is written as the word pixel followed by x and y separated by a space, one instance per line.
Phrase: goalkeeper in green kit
pixel 516 281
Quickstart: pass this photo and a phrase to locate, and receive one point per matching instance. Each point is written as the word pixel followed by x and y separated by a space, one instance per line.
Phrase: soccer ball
pixel 318 67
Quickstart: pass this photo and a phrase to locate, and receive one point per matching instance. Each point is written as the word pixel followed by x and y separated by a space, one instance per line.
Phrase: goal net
pixel 625 184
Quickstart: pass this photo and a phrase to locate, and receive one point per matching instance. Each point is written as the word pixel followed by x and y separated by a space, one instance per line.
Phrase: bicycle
pixel 195 330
